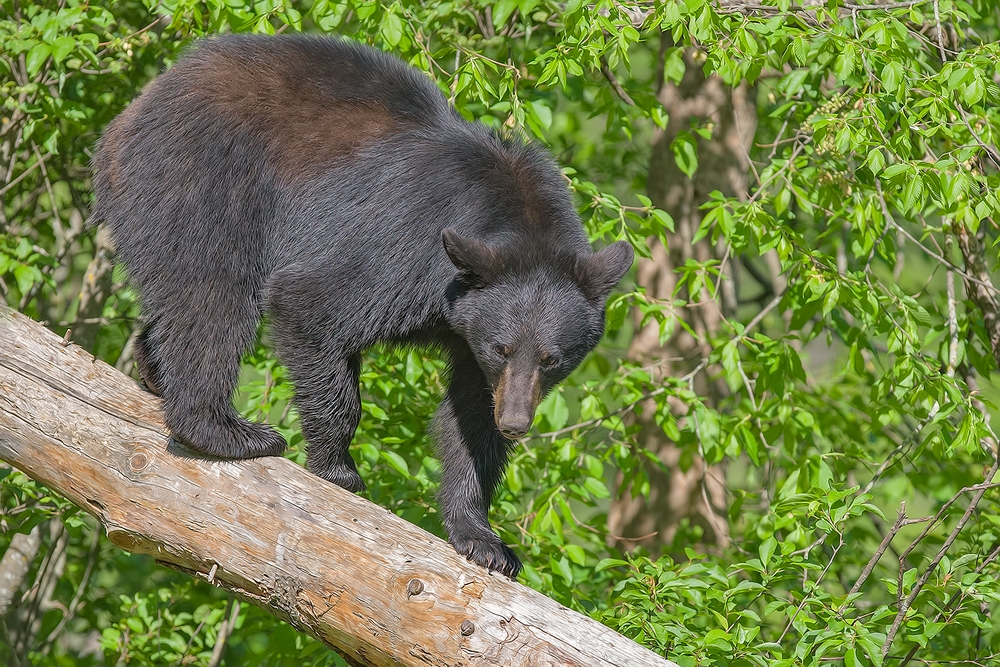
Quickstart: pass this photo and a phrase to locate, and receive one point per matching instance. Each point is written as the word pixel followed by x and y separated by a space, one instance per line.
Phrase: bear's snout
pixel 515 399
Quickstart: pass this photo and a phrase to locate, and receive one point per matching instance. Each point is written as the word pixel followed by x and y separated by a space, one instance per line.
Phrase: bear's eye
pixel 502 350
pixel 549 361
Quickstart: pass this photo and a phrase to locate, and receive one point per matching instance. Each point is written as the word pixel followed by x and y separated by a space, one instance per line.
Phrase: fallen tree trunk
pixel 374 587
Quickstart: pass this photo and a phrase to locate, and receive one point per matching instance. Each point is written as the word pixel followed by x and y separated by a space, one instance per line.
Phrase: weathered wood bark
pixel 369 584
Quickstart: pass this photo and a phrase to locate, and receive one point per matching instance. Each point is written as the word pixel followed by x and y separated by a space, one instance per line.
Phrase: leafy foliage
pixel 866 382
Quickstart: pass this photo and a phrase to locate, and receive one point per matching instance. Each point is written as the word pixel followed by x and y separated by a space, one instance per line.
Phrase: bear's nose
pixel 512 429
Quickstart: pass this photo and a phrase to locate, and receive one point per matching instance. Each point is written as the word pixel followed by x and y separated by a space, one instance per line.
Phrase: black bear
pixel 332 186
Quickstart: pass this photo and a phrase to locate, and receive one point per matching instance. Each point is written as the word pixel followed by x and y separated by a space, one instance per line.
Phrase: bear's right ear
pixel 471 256
pixel 598 273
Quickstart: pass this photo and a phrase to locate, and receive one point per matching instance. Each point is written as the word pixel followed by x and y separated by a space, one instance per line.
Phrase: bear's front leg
pixel 474 456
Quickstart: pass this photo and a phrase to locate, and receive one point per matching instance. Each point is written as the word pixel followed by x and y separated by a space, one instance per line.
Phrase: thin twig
pixel 603 418
pixel 763 312
pixel 949 242
pixel 919 585
pixel 77 596
pixel 24 173
pixel 873 561
pixel 951 603
pixel 937 256
pixel 225 629
pixel 621 410
pixel 938 32
pixel 984 299
pixel 807 596
pixel 905 444
pixel 617 87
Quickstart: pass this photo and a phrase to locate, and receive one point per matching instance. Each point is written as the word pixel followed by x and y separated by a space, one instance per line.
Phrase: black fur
pixel 332 186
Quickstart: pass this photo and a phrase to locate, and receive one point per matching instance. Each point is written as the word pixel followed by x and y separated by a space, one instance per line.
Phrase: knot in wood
pixel 414 587
pixel 138 462
pixel 123 539
pixel 467 628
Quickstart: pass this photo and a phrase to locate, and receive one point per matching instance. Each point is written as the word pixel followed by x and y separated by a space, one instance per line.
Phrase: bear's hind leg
pixel 144 358
pixel 198 360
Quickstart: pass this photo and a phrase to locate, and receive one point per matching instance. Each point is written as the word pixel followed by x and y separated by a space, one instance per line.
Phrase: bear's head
pixel 529 324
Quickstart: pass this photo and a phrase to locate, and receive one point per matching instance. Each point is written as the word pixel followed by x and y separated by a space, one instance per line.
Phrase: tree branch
pixel 617 87
pixel 376 588
pixel 919 585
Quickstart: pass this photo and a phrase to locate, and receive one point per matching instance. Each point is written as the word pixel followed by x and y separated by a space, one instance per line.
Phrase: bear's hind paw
pixel 231 439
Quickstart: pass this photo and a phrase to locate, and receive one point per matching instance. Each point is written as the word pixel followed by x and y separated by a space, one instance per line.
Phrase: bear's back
pixel 272 79
pixel 302 101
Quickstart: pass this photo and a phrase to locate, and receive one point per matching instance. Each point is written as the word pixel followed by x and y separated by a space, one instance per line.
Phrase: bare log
pixel 374 587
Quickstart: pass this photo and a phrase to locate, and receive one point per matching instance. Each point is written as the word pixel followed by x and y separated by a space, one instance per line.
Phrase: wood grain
pixel 376 588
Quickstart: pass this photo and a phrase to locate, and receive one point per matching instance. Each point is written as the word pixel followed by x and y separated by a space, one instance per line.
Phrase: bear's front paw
pixel 345 477
pixel 493 554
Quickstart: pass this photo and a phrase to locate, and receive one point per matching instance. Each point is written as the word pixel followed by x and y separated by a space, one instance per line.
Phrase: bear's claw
pixel 346 477
pixel 494 556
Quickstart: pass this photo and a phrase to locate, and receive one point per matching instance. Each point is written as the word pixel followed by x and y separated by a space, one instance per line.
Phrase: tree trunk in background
pixel 15 564
pixel 695 494
pixel 94 293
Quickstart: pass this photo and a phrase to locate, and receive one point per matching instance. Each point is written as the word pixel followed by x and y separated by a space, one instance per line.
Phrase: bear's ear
pixel 599 272
pixel 471 256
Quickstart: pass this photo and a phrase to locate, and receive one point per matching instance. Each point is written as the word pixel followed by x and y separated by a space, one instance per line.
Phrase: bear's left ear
pixel 599 272
pixel 472 256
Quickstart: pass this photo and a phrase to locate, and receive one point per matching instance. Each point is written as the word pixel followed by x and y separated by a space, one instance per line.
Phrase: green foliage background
pixel 857 389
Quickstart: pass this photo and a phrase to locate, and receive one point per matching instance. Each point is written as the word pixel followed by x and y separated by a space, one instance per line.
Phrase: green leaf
pixel 894 170
pixel 563 568
pixel 392 28
pixel 664 219
pixel 892 76
pixel 26 277
pixel 596 487
pixel 526 6
pixel 730 363
pixel 37 56
pixel 766 550
pixel 846 62
pixel 876 161
pixel 502 11
pixel 396 461
pixel 605 563
pixel 263 26
pixel 685 149
pixel 62 47
pixel 414 368
pixel 576 554
pixel 539 113
pixel 974 91
pixel 555 410
pixel 374 410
